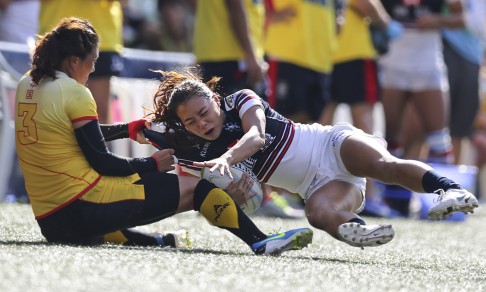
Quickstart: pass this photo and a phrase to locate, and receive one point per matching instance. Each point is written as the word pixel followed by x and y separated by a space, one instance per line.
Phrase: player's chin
pixel 211 135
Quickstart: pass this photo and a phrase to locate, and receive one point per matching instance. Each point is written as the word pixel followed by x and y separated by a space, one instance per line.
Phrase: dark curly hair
pixel 71 37
pixel 176 88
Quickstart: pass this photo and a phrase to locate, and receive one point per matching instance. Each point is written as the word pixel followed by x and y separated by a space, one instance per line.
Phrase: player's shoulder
pixel 71 88
pixel 240 98
pixel 25 80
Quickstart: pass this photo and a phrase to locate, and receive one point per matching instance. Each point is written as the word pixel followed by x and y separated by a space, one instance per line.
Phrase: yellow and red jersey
pixel 54 167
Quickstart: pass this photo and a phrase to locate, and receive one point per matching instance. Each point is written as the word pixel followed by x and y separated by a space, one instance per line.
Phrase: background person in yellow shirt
pixel 355 64
pixel 228 42
pixel 299 49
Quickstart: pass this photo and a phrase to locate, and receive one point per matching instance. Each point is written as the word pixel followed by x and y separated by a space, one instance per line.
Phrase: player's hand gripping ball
pixel 237 170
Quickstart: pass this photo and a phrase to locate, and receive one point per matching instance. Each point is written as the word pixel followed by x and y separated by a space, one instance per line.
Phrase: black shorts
pixel 355 82
pixel 108 64
pixel 85 223
pixel 233 78
pixel 463 90
pixel 294 89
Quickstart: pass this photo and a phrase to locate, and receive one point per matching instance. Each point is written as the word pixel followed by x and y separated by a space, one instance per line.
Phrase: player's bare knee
pixel 316 221
pixel 319 217
pixel 385 169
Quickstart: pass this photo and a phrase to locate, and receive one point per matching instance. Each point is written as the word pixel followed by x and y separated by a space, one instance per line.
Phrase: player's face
pixel 202 117
pixel 85 67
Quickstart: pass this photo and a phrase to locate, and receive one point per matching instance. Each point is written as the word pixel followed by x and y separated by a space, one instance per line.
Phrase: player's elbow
pixel 260 141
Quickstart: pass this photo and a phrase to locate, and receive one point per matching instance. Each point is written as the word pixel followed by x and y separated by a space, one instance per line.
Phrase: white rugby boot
pixel 453 200
pixel 359 235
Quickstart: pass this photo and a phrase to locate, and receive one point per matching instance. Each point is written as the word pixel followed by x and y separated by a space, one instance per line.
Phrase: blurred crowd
pixel 421 60
pixel 160 25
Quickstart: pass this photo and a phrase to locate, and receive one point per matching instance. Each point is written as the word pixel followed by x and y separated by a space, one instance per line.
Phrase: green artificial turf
pixel 424 256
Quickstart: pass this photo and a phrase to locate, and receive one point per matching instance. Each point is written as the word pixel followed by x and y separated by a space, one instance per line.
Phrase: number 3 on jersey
pixel 28 133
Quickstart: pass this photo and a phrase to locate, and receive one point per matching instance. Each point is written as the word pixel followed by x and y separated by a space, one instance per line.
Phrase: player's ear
pixel 75 60
pixel 217 99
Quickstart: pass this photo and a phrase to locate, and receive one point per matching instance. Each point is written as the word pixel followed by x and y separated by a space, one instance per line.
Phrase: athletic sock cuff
pixel 200 193
pixel 432 181
pixel 357 220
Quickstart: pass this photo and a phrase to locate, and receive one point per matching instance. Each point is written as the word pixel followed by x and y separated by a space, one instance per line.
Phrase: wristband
pixel 134 127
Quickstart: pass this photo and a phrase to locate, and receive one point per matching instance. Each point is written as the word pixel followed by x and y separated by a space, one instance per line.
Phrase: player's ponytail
pixel 71 37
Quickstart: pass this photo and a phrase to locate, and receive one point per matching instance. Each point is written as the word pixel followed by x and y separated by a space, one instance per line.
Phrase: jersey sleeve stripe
pixel 273 159
pixel 86 118
pixel 243 97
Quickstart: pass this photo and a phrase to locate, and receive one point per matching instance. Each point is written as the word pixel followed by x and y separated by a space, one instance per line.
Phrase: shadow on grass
pixel 293 255
pixel 30 243
pixel 188 251
pixel 124 247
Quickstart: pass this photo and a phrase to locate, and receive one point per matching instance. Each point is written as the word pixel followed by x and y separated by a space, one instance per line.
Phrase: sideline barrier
pixel 137 63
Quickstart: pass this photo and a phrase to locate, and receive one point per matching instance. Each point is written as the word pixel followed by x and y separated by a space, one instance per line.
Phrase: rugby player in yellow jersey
pixel 78 189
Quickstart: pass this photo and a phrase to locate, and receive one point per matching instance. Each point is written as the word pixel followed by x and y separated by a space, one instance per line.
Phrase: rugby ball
pixel 237 170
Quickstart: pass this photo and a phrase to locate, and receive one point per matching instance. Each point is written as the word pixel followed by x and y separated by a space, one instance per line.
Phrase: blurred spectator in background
pixel 18 20
pixel 414 70
pixel 135 25
pixel 354 79
pixel 463 55
pixel 177 19
pixel 107 18
pixel 299 41
pixel 479 135
pixel 169 29
pixel 355 61
pixel 228 42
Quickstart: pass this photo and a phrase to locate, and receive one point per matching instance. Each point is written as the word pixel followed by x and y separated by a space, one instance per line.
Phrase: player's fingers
pixel 223 169
pixel 229 173
pixel 213 168
pixel 197 163
pixel 233 185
